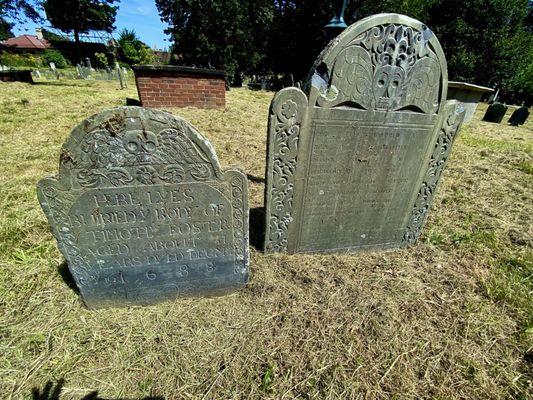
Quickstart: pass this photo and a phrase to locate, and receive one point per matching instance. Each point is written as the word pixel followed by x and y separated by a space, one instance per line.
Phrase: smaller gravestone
pixel 143 212
pixel 79 71
pixel 88 63
pixel 519 116
pixel 37 73
pixel 54 70
pixel 121 79
pixel 495 113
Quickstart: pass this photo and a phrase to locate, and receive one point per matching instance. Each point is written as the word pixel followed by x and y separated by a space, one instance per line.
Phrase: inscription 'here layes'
pixel 152 196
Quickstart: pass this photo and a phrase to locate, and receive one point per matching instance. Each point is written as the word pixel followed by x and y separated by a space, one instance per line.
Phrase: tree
pixel 19 10
pixel 132 50
pixel 486 42
pixel 223 34
pixel 81 16
pixel 5 30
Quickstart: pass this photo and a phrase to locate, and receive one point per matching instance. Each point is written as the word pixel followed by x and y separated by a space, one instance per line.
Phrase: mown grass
pixel 449 318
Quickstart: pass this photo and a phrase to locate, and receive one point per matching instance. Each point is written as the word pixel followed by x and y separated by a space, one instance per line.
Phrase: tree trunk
pixel 77 41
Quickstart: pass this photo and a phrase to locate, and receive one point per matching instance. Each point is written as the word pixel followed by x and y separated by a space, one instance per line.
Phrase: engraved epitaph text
pixel 142 211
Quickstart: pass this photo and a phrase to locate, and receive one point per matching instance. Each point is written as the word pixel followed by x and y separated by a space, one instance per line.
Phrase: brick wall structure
pixel 176 86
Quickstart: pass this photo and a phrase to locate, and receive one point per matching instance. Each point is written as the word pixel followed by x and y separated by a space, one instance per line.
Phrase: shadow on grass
pixel 257 227
pixel 49 392
pixel 255 179
pixel 67 277
pixel 56 83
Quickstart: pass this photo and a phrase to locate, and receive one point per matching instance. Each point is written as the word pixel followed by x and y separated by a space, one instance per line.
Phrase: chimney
pixel 39 33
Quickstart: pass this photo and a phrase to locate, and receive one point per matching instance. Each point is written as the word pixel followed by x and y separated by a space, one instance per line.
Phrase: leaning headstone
pixel 143 212
pixel 121 79
pixel 495 113
pixel 54 70
pixel 519 116
pixel 353 162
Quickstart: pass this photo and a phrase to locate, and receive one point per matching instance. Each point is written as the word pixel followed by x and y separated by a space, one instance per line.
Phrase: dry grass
pixel 450 318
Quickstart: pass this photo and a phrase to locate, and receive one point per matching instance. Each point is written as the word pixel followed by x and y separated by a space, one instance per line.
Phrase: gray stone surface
pixel 354 161
pixel 495 113
pixel 142 211
pixel 519 116
pixel 468 94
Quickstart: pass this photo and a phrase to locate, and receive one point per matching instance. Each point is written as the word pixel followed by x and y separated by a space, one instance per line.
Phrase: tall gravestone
pixel 495 113
pixel 519 116
pixel 142 211
pixel 354 161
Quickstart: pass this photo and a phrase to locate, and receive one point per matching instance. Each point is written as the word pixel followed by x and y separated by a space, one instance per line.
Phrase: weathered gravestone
pixel 142 211
pixel 495 113
pixel 354 162
pixel 519 116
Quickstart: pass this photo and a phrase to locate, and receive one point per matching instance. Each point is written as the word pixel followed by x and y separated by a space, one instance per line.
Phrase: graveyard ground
pixel 449 318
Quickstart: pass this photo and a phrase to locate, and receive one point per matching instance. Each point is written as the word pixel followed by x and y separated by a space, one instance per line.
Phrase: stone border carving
pixel 286 114
pixel 239 196
pixel 453 115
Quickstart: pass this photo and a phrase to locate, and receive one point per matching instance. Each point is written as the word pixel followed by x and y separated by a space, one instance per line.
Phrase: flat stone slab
pixel 142 211
pixel 354 161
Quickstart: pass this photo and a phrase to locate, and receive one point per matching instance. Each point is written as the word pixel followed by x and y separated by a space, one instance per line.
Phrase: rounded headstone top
pixel 387 62
pixel 135 145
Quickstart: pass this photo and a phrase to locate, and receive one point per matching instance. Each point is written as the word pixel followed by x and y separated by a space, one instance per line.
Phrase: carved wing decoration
pixel 351 81
pixel 173 142
pixel 421 87
pixel 389 67
pixel 103 150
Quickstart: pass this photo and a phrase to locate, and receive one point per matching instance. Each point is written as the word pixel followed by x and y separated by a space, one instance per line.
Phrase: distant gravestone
pixel 121 79
pixel 142 211
pixel 519 116
pixel 353 162
pixel 54 70
pixel 495 113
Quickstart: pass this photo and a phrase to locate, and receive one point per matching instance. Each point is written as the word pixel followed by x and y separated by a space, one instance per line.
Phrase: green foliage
pixel 487 42
pixel 132 50
pixel 5 29
pixel 19 10
pixel 54 56
pixel 512 284
pixel 20 60
pixel 225 34
pixel 81 16
pixel 100 60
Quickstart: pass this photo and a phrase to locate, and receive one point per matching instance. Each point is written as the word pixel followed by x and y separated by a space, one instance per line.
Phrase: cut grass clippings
pixel 449 318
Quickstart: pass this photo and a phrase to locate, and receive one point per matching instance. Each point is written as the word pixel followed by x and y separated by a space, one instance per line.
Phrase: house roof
pixel 26 42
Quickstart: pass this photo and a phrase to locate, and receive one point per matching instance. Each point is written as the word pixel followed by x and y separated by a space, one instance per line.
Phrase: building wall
pixel 178 87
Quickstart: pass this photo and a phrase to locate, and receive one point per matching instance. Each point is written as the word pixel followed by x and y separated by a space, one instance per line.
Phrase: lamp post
pixel 337 22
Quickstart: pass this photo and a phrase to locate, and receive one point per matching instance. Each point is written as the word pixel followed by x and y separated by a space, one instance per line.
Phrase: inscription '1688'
pixel 142 242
